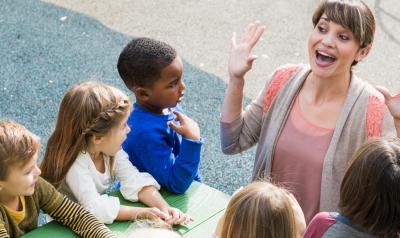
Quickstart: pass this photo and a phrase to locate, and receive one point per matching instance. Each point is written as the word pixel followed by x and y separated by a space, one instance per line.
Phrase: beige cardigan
pixel 255 125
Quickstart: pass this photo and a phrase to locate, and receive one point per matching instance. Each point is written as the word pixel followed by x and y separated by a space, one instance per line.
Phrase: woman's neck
pixel 321 90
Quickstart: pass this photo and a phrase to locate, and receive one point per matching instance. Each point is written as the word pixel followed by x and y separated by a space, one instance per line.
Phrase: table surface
pixel 203 203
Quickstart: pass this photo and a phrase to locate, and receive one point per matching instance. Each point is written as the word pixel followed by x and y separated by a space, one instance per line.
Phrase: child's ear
pixel 141 93
pixel 96 139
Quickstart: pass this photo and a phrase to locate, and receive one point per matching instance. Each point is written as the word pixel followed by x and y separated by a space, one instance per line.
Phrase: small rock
pixel 64 18
pixel 51 81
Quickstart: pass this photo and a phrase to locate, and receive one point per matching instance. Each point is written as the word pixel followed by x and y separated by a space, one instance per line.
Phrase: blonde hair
pixel 259 210
pixel 17 145
pixel 87 109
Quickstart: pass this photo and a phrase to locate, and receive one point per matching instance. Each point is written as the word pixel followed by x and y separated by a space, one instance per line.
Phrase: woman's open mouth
pixel 324 59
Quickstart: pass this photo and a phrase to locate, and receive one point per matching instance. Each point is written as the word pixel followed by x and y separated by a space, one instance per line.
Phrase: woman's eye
pixel 344 37
pixel 321 29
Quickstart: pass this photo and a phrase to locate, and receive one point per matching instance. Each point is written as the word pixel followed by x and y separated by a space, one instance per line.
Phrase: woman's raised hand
pixel 241 59
pixel 392 102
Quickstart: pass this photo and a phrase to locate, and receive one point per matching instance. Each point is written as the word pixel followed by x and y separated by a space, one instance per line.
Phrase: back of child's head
pixel 142 60
pixel 370 189
pixel 354 15
pixel 153 233
pixel 259 210
pixel 87 109
pixel 17 145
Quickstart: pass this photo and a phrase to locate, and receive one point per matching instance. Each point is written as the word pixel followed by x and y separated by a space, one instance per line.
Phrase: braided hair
pixel 87 109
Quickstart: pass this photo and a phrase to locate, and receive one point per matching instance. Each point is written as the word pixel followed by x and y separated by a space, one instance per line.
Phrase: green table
pixel 203 203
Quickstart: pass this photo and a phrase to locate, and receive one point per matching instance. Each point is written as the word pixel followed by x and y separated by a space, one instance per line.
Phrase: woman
pixel 309 119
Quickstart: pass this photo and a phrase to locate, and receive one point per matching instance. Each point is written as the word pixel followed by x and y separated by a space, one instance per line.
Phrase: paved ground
pixel 47 46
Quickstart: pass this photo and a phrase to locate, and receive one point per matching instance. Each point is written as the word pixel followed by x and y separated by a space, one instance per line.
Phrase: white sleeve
pixel 82 186
pixel 132 181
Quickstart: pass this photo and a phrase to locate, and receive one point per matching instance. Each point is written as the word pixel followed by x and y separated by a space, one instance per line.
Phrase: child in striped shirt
pixel 23 192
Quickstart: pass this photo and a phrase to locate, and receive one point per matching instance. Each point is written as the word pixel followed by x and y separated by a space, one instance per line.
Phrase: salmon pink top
pixel 299 157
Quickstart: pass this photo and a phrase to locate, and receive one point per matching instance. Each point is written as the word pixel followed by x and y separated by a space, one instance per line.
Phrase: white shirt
pixel 89 186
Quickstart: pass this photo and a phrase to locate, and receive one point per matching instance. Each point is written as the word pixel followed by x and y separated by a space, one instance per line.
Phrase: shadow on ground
pixel 46 49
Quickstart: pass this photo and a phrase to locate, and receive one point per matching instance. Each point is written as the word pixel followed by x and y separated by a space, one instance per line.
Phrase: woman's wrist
pixel 236 81
pixel 397 125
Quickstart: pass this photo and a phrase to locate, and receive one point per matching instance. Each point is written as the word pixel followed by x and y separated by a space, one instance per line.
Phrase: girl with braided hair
pixel 84 159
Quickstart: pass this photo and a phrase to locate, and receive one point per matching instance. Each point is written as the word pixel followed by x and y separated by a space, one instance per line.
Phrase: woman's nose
pixel 328 40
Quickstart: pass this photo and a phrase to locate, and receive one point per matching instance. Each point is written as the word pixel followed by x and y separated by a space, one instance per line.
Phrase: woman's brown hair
pixel 259 210
pixel 87 109
pixel 354 15
pixel 370 189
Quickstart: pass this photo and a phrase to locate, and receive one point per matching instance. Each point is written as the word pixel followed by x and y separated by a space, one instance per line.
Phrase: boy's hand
pixel 186 127
pixel 241 59
pixel 151 213
pixel 176 217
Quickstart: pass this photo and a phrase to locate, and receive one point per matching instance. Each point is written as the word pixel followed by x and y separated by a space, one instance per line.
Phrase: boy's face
pixel 167 91
pixel 21 179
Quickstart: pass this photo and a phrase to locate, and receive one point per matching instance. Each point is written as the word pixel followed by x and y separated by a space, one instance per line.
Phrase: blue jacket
pixel 155 148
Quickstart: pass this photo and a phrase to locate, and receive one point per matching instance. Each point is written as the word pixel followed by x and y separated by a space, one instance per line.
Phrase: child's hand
pixel 187 127
pixel 151 213
pixel 176 217
pixel 240 59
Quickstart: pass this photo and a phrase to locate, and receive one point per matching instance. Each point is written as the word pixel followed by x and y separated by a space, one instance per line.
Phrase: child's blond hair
pixel 259 210
pixel 17 145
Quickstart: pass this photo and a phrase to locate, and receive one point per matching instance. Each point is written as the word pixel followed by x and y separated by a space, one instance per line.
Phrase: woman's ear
pixel 363 52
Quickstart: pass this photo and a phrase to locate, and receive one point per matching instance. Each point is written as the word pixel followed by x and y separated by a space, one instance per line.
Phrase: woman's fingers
pixel 256 36
pixel 385 92
pixel 234 44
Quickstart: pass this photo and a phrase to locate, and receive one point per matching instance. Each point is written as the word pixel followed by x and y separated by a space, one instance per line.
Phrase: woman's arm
pixel 240 62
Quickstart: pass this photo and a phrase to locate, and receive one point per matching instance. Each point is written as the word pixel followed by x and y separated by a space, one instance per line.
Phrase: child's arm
pixel 151 197
pixel 69 213
pixel 142 186
pixel 79 220
pixel 105 208
pixel 82 186
pixel 3 231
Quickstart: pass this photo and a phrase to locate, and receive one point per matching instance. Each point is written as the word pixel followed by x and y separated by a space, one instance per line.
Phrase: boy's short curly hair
pixel 142 60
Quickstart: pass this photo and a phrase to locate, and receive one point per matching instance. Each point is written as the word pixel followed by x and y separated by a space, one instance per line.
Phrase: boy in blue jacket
pixel 163 141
